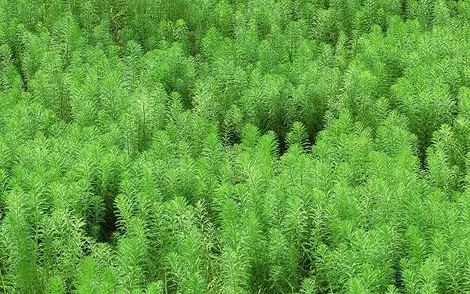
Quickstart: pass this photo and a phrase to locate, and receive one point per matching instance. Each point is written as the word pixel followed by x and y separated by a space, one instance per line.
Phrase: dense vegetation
pixel 234 146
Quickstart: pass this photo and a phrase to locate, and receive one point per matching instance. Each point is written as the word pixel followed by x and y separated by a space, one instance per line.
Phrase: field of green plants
pixel 234 146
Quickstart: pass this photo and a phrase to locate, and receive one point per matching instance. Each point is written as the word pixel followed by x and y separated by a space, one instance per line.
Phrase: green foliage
pixel 242 146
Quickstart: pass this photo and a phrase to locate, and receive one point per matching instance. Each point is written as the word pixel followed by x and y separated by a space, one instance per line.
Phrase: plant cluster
pixel 234 146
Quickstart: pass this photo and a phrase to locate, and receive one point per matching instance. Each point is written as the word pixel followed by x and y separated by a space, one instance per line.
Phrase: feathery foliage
pixel 242 146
